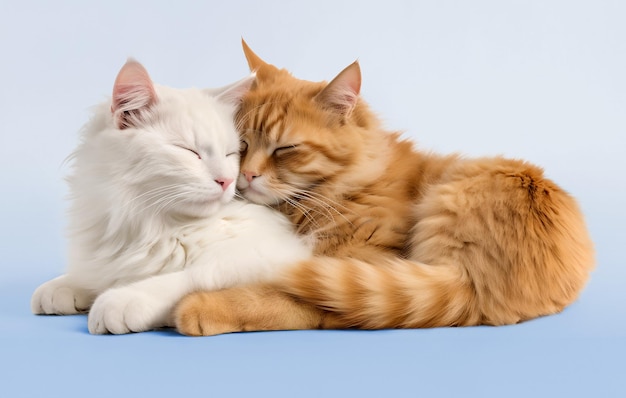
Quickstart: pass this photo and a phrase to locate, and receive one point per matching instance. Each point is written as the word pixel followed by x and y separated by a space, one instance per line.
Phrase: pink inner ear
pixel 342 92
pixel 351 76
pixel 133 93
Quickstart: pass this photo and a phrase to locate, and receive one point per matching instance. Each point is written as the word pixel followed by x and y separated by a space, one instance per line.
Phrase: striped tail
pixel 395 294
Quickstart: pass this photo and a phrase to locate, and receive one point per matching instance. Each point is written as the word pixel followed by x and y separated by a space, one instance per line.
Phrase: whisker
pixel 152 194
pixel 169 200
pixel 306 212
pixel 326 203
pixel 167 197
pixel 327 213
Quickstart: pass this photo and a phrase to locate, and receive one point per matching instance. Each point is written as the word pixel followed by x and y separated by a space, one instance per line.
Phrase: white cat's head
pixel 162 149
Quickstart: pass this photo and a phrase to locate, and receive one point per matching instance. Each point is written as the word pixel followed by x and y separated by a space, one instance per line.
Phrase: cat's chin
pixel 258 198
pixel 200 209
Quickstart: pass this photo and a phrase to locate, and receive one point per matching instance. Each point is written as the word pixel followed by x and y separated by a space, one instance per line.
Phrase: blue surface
pixel 540 80
pixel 553 356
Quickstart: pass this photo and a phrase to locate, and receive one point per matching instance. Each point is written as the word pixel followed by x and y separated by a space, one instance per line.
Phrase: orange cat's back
pixel 519 237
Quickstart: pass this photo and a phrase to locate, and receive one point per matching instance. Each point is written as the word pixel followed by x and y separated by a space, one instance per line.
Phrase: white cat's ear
pixel 133 95
pixel 342 93
pixel 233 93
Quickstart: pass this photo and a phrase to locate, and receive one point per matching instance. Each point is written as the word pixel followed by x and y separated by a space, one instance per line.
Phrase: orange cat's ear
pixel 254 62
pixel 342 93
pixel 133 95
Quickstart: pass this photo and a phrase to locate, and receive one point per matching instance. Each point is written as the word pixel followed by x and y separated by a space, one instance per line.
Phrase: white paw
pixel 125 310
pixel 58 297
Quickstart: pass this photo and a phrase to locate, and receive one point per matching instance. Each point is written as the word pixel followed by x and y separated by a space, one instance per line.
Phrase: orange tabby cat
pixel 403 238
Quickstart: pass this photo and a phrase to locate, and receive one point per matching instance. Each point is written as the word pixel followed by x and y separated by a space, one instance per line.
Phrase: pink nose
pixel 224 182
pixel 250 175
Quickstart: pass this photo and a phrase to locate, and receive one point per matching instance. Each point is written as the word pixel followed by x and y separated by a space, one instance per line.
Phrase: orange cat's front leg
pixel 248 308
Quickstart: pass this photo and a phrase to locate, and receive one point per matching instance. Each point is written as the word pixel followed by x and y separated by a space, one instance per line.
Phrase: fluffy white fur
pixel 152 213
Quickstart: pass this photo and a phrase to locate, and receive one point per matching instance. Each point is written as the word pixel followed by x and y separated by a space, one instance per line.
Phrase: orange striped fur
pixel 403 238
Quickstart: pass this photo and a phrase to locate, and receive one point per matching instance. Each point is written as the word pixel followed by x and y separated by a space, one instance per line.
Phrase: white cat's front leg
pixel 60 297
pixel 140 306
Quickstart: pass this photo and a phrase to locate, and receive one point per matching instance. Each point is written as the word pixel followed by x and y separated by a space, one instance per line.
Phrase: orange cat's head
pixel 298 134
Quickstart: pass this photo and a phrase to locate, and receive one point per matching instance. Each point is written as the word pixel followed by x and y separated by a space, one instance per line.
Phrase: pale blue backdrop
pixel 541 80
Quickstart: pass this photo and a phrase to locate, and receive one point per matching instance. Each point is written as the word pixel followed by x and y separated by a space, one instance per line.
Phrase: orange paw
pixel 200 314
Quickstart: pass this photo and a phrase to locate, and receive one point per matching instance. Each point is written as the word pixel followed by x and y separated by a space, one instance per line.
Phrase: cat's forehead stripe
pixel 268 121
pixel 273 124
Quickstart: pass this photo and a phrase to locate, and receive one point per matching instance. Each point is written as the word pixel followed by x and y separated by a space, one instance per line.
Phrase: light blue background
pixel 539 80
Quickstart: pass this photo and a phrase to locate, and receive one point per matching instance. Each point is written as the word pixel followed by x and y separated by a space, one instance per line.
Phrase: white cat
pixel 151 217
